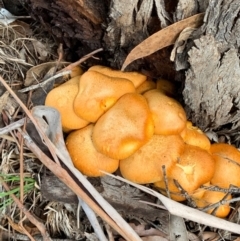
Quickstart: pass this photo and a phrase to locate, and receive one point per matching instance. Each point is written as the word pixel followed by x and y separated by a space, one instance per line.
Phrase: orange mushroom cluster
pixel 123 120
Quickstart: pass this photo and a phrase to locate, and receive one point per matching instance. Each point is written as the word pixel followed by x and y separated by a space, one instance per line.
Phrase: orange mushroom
pixel 198 193
pixel 62 98
pixel 146 86
pixel 84 155
pixel 194 168
pixel 168 115
pixel 175 193
pixel 145 165
pixel 192 135
pixel 227 169
pixel 97 93
pixel 136 78
pixel 76 71
pixel 124 128
pixel 212 197
pixel 166 87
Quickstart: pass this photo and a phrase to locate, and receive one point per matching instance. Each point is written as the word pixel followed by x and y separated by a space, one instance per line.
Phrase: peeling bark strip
pixel 212 86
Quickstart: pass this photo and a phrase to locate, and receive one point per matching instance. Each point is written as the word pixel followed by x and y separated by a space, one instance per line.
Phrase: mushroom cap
pixel 227 169
pixel 124 128
pixel 194 168
pixel 136 78
pixel 97 93
pixel 166 87
pixel 211 197
pixel 198 193
pixel 76 71
pixel 84 155
pixel 168 115
pixel 146 86
pixel 145 165
pixel 175 193
pixel 62 98
pixel 192 135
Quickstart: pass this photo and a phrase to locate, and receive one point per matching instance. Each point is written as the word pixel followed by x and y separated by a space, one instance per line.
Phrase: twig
pixel 42 84
pixel 26 232
pixel 231 189
pixel 12 126
pixel 71 66
pixel 166 181
pixel 221 202
pixel 31 218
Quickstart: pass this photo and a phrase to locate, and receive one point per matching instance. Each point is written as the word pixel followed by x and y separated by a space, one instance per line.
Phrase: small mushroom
pixel 62 98
pixel 227 159
pixel 76 71
pixel 97 93
pixel 124 128
pixel 192 135
pixel 146 86
pixel 175 193
pixel 146 164
pixel 168 115
pixel 211 197
pixel 194 168
pixel 84 155
pixel 136 78
pixel 166 87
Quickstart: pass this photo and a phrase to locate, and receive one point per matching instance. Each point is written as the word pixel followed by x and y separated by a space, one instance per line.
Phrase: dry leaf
pixel 41 50
pixel 38 72
pixel 163 38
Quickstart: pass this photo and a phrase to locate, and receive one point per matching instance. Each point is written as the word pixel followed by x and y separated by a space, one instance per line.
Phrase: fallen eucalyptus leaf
pixel 38 72
pixel 163 38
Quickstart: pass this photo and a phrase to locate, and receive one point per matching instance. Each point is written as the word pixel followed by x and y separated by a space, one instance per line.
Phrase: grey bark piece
pixel 210 58
pixel 212 91
pixel 222 21
pixel 187 8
